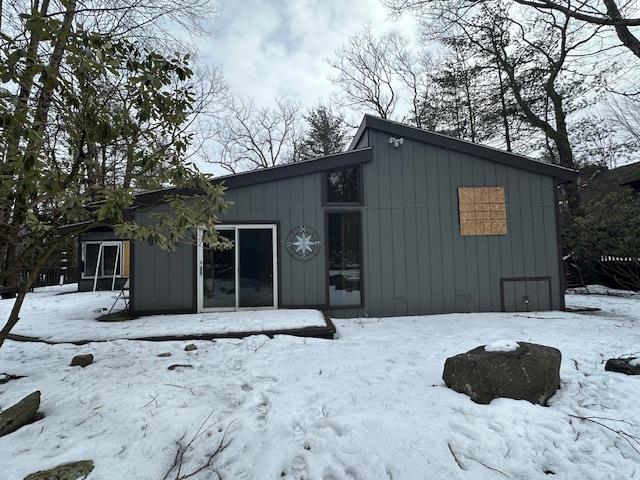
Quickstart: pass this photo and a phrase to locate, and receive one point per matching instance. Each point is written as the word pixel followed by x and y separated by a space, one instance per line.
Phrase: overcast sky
pixel 278 48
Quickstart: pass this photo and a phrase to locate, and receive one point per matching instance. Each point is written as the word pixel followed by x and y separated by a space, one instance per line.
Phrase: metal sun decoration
pixel 303 243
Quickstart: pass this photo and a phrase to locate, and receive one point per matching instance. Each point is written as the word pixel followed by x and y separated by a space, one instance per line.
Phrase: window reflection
pixel 344 235
pixel 343 186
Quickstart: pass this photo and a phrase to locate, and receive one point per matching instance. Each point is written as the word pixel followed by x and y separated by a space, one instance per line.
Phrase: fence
pixel 55 276
pixel 610 271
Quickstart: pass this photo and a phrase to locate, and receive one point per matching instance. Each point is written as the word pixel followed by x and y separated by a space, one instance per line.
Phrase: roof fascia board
pixel 481 151
pixel 329 162
pixel 271 174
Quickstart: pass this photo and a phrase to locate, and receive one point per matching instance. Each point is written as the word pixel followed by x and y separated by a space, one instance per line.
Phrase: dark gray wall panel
pixel 414 248
pixel 414 259
pixel 162 281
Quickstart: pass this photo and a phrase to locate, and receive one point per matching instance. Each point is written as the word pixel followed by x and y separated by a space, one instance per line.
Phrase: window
pixel 344 233
pixel 482 211
pixel 343 186
pixel 112 255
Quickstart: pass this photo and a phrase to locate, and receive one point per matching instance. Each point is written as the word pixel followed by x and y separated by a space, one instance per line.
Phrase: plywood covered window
pixel 482 211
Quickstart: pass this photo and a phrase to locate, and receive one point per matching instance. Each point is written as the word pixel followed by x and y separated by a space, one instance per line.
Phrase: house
pixel 103 260
pixel 597 181
pixel 405 222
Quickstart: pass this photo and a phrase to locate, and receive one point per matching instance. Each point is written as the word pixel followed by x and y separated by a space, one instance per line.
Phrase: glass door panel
pixel 218 272
pixel 255 273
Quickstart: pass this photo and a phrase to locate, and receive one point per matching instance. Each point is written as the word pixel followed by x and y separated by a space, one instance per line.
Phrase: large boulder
pixel 68 471
pixel 529 372
pixel 628 366
pixel 20 414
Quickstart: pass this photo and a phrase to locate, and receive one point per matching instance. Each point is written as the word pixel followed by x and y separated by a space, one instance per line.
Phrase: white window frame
pixel 200 265
pixel 105 243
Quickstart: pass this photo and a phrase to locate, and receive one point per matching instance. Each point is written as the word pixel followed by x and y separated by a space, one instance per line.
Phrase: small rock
pixel 177 365
pixel 628 366
pixel 68 471
pixel 81 360
pixel 20 414
pixel 7 377
pixel 165 354
pixel 531 372
pixel 190 347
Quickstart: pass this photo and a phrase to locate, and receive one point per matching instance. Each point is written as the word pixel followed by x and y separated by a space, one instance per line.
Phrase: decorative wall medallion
pixel 303 243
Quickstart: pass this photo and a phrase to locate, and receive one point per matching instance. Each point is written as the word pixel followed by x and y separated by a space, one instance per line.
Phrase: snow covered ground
pixel 62 314
pixel 369 405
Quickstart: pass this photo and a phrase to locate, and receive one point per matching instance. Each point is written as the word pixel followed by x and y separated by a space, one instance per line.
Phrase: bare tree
pixel 603 12
pixel 365 72
pixel 252 137
pixel 540 55
pixel 602 142
pixel 414 70
pixel 625 113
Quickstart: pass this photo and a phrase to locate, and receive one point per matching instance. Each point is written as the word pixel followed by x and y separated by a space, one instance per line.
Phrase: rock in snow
pixel 165 354
pixel 177 365
pixel 628 366
pixel 81 360
pixel 531 372
pixel 68 471
pixel 20 414
pixel 190 347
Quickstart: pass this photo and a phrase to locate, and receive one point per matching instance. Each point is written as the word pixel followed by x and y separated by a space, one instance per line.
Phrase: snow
pixel 603 290
pixel 369 405
pixel 501 346
pixel 61 314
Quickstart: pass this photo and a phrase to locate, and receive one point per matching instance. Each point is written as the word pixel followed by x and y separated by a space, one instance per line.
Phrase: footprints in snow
pixel 262 409
pixel 311 435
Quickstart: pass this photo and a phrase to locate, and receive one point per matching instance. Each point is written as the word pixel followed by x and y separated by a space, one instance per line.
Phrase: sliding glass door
pixel 244 276
pixel 219 277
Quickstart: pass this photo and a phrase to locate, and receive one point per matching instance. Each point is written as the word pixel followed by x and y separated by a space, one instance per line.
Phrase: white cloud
pixel 277 48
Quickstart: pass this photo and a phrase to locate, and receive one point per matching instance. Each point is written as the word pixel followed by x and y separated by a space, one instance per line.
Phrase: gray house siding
pixel 162 281
pixel 414 260
pixel 288 203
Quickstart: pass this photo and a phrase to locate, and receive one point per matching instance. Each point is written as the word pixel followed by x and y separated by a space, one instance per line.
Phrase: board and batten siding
pixel 414 259
pixel 162 281
pixel 166 280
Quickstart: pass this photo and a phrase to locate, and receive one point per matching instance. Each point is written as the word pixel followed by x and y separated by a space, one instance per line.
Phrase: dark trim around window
pixel 327 212
pixel 325 184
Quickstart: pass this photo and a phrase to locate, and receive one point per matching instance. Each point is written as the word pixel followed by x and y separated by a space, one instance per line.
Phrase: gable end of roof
pixel 500 156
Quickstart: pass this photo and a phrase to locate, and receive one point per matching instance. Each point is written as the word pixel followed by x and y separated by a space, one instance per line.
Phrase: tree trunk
pixel 23 289
pixel 503 106
pixel 627 38
pixel 13 316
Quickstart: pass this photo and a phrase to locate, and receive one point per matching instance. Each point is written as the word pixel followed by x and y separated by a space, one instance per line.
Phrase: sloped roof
pixel 627 173
pixel 270 174
pixel 500 156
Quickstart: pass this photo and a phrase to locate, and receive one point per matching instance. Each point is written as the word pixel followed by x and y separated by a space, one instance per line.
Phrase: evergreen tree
pixel 66 131
pixel 326 133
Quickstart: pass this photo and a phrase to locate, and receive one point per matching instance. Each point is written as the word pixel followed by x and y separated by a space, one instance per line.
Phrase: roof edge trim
pixel 437 139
